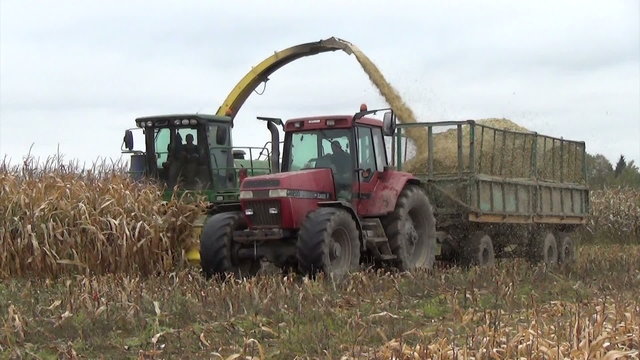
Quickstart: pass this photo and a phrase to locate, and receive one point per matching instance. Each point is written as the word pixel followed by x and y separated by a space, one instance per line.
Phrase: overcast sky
pixel 75 74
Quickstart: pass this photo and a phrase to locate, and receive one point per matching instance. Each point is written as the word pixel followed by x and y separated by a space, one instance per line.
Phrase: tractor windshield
pixel 326 148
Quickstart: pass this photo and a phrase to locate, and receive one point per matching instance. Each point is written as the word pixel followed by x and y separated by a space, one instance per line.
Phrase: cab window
pixel 366 155
pixel 380 149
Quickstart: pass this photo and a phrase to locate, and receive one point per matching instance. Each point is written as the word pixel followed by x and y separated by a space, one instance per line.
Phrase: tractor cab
pixel 328 158
pixel 351 146
pixel 194 152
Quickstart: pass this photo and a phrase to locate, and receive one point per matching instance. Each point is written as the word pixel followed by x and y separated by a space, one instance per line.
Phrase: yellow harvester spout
pixel 261 72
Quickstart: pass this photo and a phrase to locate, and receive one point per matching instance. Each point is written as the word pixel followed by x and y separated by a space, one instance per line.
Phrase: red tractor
pixel 335 203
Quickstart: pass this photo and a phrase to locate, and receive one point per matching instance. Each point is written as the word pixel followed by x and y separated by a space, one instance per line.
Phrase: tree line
pixel 602 173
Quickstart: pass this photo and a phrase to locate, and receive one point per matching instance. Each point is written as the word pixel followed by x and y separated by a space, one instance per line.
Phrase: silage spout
pixel 337 44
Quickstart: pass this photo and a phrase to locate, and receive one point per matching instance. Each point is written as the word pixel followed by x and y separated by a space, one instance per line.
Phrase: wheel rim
pixel 339 251
pixel 484 256
pixel 416 233
pixel 550 250
pixel 567 251
pixel 412 237
pixel 549 253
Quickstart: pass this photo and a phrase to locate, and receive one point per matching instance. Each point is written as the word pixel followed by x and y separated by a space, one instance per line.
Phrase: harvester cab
pixel 194 152
pixel 334 200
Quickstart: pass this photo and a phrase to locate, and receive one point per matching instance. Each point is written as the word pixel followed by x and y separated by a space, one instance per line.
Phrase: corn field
pixel 92 266
pixel 615 216
pixel 56 219
pixel 511 311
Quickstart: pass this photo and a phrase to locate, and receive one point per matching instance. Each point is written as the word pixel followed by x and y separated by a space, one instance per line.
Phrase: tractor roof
pixel 320 122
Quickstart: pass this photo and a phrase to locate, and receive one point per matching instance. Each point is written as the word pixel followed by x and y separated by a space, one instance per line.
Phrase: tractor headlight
pixel 244 194
pixel 278 193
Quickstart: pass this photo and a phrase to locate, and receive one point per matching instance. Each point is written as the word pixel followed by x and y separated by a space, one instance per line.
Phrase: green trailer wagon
pixel 497 192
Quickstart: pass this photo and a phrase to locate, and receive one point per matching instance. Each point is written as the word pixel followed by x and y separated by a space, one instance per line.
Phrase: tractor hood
pixel 317 180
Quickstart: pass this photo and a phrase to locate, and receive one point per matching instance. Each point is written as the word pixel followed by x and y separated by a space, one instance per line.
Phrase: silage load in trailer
pixel 494 147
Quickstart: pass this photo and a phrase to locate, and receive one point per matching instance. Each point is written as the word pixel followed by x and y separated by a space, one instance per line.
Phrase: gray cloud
pixel 77 74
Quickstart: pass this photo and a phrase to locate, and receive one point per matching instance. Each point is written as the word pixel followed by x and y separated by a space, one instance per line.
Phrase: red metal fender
pixel 386 189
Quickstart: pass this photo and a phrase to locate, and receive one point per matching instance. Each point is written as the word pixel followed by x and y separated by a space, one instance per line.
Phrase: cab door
pixel 371 161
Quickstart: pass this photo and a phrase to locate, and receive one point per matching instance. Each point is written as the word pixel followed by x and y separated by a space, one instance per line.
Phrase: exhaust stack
pixel 275 141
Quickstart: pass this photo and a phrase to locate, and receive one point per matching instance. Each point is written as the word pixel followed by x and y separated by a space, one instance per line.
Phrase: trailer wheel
pixel 479 251
pixel 217 250
pixel 566 248
pixel 328 242
pixel 545 249
pixel 411 230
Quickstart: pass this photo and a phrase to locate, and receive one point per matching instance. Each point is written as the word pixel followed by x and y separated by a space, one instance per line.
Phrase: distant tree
pixel 599 170
pixel 629 176
pixel 622 163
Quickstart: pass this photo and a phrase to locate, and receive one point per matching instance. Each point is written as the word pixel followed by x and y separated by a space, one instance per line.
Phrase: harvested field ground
pixel 515 310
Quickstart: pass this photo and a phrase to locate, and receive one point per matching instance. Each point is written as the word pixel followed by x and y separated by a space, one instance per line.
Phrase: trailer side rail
pixel 497 175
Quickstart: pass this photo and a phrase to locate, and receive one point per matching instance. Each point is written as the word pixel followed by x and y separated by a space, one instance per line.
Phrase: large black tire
pixel 217 249
pixel 566 249
pixel 328 242
pixel 411 230
pixel 545 249
pixel 479 250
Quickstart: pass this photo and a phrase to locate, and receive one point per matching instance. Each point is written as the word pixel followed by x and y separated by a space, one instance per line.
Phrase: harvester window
pixel 162 138
pixel 179 160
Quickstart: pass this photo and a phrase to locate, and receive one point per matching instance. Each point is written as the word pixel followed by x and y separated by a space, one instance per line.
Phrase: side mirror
pixel 389 123
pixel 221 135
pixel 128 140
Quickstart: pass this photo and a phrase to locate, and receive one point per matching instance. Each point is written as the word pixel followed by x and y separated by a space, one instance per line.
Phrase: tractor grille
pixel 261 215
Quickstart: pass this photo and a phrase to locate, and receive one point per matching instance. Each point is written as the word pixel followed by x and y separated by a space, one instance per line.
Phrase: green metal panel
pixel 498 181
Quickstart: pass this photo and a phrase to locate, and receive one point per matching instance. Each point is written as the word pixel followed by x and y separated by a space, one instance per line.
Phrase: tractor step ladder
pixel 376 240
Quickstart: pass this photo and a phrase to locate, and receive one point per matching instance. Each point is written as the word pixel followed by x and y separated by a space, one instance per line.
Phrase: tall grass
pixel 57 217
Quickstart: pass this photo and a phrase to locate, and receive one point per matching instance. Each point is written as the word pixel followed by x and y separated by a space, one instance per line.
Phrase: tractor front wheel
pixel 328 242
pixel 218 251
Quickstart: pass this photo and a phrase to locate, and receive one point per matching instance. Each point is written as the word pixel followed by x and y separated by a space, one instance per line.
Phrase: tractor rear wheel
pixel 566 248
pixel 545 249
pixel 479 251
pixel 411 230
pixel 328 242
pixel 217 249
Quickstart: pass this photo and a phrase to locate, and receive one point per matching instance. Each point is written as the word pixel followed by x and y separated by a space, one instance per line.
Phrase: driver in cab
pixel 340 158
